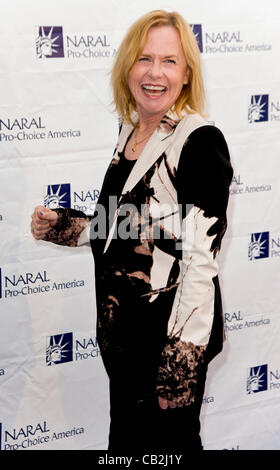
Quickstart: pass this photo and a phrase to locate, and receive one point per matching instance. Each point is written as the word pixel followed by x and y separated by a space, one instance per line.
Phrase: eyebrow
pixel 163 56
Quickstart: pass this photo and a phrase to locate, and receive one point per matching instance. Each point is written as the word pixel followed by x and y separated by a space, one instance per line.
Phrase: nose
pixel 155 70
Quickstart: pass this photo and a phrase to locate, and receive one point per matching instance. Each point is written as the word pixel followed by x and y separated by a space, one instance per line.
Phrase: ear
pixel 187 76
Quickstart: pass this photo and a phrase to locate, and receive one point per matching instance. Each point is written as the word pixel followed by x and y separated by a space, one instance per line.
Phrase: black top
pixel 119 174
pixel 113 184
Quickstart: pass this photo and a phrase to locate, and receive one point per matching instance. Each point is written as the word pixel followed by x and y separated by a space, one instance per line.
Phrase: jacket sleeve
pixel 70 227
pixel 203 178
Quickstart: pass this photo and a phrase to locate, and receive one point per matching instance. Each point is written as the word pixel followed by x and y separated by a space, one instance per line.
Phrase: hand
pixel 164 404
pixel 43 220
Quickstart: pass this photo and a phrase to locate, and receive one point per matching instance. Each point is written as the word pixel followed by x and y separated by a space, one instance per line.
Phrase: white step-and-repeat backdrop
pixel 57 134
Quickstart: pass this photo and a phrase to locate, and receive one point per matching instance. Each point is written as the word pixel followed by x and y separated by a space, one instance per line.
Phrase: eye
pixel 170 61
pixel 143 59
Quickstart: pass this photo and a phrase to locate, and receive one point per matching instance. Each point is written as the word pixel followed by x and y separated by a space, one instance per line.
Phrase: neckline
pixel 123 158
pixel 121 154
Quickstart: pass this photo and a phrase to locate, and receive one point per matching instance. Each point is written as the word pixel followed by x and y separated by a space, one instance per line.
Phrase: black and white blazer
pixel 182 180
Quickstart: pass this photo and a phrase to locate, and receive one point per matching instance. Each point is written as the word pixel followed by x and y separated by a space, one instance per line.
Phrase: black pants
pixel 141 426
pixel 138 424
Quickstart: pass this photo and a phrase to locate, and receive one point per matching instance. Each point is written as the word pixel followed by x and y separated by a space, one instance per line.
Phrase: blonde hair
pixel 191 98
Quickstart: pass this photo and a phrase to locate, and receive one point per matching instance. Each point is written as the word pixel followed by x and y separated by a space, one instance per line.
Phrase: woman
pixel 158 299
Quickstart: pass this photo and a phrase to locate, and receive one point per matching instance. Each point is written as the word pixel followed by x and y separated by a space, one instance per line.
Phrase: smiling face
pixel 157 77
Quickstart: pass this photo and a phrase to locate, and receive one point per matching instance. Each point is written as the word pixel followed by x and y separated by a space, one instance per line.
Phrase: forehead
pixel 163 40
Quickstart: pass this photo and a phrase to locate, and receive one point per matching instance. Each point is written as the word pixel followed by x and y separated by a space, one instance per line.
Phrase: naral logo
pixel 258 246
pixel 49 42
pixel 20 124
pixel 33 435
pixel 257 379
pixel 23 284
pixel 64 348
pixel 59 349
pixel 57 195
pixel 197 31
pixel 258 108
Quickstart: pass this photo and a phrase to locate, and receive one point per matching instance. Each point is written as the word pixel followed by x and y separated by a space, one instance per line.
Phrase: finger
pixel 163 403
pixel 38 233
pixel 42 212
pixel 49 215
pixel 42 215
pixel 40 222
pixel 42 230
pixel 38 230
pixel 36 214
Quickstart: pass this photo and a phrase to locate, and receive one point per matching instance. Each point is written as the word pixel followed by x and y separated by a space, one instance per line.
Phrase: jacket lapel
pixel 162 138
pixel 150 154
pixel 158 143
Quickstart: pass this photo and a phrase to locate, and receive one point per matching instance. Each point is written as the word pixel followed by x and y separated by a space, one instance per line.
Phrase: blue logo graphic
pixel 197 31
pixel 257 379
pixel 59 349
pixel 258 245
pixel 49 42
pixel 57 195
pixel 258 108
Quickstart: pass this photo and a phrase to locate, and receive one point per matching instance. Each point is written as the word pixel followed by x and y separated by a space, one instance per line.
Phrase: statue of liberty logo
pixel 57 195
pixel 197 31
pixel 258 108
pixel 59 349
pixel 258 246
pixel 49 42
pixel 257 379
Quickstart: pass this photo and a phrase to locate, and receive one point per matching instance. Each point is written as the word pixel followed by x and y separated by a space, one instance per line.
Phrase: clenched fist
pixel 43 220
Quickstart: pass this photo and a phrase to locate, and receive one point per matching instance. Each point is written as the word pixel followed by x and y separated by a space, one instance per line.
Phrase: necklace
pixel 139 142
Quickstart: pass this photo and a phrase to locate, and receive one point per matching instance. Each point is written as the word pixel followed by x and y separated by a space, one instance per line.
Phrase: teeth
pixel 154 87
pixel 154 90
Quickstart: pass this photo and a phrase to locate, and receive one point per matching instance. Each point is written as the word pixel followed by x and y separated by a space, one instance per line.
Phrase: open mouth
pixel 154 90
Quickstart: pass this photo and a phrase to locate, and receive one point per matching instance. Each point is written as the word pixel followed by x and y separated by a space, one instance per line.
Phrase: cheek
pixel 134 73
pixel 178 81
pixel 176 86
pixel 132 81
